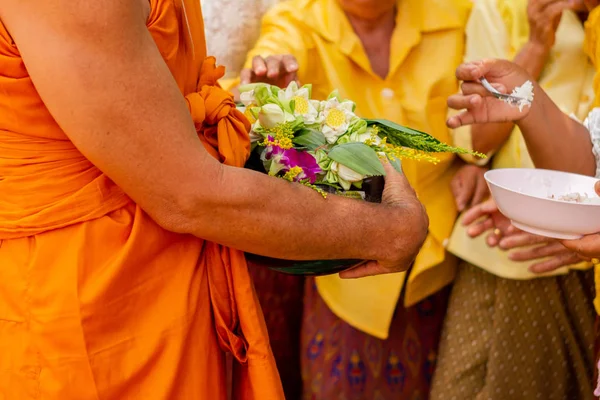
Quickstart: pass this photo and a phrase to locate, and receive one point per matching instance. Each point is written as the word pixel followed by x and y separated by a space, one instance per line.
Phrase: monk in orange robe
pixel 124 213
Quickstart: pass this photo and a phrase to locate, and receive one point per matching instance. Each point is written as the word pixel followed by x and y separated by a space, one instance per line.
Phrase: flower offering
pixel 324 144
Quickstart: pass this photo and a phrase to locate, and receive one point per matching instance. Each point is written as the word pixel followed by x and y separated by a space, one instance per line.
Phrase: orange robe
pixel 96 300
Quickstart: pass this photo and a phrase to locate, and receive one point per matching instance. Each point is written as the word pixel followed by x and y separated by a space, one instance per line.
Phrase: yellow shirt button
pixel 387 93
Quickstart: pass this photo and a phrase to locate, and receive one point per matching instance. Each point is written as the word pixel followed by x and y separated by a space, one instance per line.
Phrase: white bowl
pixel 530 199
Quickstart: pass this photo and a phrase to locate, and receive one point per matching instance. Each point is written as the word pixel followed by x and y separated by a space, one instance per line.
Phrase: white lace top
pixel 592 123
pixel 232 28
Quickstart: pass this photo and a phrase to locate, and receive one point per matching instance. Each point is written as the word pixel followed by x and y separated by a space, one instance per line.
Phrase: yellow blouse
pixel 567 78
pixel 426 47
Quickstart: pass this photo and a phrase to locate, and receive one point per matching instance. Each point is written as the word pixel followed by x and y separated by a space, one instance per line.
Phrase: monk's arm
pixel 554 140
pixel 102 77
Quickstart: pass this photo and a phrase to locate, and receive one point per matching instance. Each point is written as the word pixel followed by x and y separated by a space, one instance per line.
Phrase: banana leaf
pixel 399 135
pixel 310 139
pixel 358 157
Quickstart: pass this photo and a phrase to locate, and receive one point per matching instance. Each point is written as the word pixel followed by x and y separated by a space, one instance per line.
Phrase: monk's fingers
pixel 521 240
pixel 259 66
pixel 534 253
pixel 597 188
pixel 588 246
pixel 289 63
pixel 273 67
pixel 554 263
pixel 370 268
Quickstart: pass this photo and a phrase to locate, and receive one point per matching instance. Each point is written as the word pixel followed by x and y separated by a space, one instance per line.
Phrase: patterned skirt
pixel 340 362
pixel 597 358
pixel 509 339
pixel 280 297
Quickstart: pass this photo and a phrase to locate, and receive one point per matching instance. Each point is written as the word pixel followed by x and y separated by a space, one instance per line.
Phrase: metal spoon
pixel 512 100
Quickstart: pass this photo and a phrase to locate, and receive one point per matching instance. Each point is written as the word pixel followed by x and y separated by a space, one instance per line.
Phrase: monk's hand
pixel 478 105
pixel 397 193
pixel 469 187
pixel 544 17
pixel 277 70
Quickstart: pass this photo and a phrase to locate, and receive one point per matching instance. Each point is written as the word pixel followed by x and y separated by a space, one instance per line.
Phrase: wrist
pixel 538 48
pixel 532 57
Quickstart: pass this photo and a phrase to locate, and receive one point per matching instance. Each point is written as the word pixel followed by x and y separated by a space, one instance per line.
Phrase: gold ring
pixel 497 232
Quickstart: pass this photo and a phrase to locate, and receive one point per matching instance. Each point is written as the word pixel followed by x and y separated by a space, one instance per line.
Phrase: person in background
pixel 502 318
pixel 232 28
pixel 375 338
pixel 125 211
pixel 546 129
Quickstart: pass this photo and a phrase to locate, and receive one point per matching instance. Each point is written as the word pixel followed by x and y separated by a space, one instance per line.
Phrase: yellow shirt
pixel 567 78
pixel 426 47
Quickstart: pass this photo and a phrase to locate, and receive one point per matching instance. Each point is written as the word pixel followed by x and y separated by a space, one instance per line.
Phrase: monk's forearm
pixel 267 216
pixel 556 141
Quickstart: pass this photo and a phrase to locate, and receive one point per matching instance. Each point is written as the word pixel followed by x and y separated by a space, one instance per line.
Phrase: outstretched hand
pixel 478 104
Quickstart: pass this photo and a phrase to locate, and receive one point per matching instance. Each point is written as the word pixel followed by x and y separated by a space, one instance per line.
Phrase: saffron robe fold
pixel 96 300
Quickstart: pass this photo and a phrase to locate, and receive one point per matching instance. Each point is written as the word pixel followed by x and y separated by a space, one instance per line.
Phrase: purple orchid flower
pixel 304 160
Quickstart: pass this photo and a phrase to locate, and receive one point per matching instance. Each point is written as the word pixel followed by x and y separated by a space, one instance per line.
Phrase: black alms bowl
pixel 372 189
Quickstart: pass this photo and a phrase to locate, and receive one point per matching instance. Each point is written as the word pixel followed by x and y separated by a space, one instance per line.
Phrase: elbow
pixel 189 208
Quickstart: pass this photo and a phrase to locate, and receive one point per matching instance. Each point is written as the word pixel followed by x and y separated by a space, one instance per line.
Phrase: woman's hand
pixel 277 70
pixel 480 105
pixel 469 187
pixel 589 246
pixel 486 217
pixel 544 17
pixel 553 253
pixel 584 5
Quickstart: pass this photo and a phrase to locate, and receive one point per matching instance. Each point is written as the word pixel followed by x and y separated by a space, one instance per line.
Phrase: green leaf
pixel 335 94
pixel 396 163
pixel 358 157
pixel 407 137
pixel 310 138
pixel 248 87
